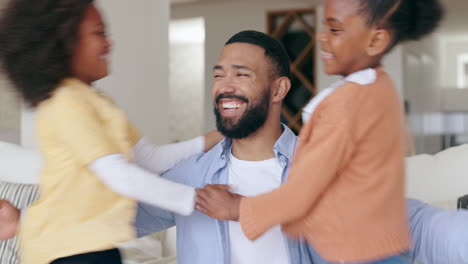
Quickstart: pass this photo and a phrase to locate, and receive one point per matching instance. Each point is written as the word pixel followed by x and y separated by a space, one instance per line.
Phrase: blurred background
pixel 165 50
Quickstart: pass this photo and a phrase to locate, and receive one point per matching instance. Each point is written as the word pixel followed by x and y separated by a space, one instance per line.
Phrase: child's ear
pixel 379 41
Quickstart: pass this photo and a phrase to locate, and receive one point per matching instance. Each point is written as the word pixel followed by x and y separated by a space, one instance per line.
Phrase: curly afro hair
pixel 406 19
pixel 37 40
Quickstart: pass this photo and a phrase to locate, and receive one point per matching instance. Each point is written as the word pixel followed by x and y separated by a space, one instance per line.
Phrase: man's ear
pixel 281 89
pixel 379 42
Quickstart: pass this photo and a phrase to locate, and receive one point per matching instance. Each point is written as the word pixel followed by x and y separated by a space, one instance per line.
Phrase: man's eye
pixel 243 74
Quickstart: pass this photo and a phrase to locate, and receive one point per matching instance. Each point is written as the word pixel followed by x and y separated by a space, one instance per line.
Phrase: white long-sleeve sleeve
pixel 159 159
pixel 134 182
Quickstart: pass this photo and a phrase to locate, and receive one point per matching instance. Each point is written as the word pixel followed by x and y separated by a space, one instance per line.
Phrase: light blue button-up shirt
pixel 439 236
pixel 201 239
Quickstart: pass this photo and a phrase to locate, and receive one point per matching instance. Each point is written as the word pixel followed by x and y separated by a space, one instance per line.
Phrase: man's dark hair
pixel 274 50
pixel 37 41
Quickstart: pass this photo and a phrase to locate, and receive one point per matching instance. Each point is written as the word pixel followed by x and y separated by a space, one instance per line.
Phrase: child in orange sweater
pixel 345 192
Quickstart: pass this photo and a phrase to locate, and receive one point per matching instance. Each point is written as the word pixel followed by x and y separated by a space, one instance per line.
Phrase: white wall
pixel 453 98
pixel 9 109
pixel 187 78
pixel 28 127
pixel 424 92
pixel 452 48
pixel 139 82
pixel 421 87
pixel 9 113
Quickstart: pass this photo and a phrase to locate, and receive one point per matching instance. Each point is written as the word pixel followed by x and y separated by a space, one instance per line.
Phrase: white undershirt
pixel 251 178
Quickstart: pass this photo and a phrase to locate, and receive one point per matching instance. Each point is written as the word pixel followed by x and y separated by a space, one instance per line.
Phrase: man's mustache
pixel 230 96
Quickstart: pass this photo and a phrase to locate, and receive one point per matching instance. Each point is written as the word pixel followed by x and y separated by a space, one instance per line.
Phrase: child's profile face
pixel 90 57
pixel 344 38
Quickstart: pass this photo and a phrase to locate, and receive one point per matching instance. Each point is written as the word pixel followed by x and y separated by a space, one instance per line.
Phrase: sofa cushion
pixel 439 177
pixel 19 164
pixel 146 250
pixel 21 196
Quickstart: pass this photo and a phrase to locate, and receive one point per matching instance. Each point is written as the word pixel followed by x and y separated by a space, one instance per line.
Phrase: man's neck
pixel 259 145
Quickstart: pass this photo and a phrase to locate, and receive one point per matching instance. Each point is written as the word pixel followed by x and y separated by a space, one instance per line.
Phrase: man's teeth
pixel 231 106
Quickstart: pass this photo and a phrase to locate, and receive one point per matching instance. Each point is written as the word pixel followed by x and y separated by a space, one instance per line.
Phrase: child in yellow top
pixel 345 190
pixel 96 164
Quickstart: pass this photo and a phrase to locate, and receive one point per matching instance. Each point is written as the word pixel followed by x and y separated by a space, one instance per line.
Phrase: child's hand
pixel 217 202
pixel 9 218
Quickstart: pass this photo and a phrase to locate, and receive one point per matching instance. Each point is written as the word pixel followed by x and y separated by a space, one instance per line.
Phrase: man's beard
pixel 250 121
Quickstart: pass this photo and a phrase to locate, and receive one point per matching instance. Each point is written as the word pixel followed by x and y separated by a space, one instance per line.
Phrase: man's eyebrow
pixel 235 66
pixel 241 67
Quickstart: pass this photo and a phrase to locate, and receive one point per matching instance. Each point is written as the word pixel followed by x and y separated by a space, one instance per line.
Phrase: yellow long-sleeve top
pixel 76 212
pixel 345 190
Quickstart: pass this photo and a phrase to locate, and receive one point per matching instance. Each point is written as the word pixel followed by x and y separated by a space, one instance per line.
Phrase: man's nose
pixel 227 86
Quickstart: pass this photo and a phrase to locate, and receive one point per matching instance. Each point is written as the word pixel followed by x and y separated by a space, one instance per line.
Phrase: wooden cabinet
pixel 296 29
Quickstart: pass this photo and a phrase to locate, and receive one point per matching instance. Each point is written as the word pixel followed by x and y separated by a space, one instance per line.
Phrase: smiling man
pixel 237 116
pixel 251 78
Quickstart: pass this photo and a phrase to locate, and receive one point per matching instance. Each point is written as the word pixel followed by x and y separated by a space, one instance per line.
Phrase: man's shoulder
pixel 189 163
pixel 195 167
pixel 202 159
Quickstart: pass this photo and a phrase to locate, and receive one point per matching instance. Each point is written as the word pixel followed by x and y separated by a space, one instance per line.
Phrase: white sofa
pixel 438 179
pixel 21 165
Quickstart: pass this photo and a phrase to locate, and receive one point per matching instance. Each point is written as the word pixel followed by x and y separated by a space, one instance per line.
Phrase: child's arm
pixel 9 220
pixel 318 160
pixel 159 159
pixel 76 125
pixel 322 156
pixel 130 180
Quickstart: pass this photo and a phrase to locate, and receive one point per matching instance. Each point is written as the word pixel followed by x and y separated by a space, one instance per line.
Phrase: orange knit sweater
pixel 345 192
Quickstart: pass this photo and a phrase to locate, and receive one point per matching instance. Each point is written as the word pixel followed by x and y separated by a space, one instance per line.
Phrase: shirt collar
pixel 284 146
pixel 362 77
